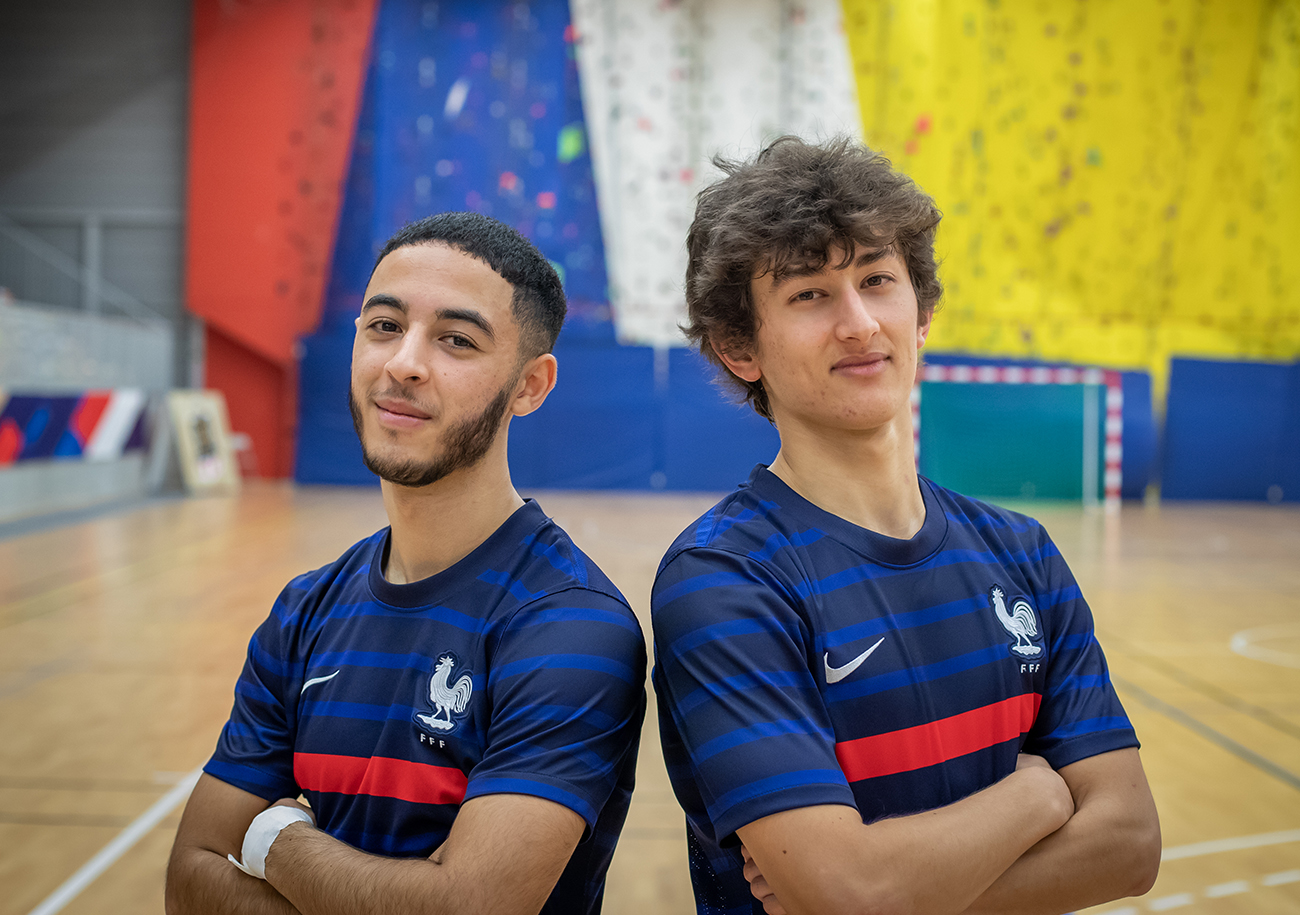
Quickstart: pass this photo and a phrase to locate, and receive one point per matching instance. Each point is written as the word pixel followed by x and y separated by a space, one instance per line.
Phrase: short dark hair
pixel 790 207
pixel 538 303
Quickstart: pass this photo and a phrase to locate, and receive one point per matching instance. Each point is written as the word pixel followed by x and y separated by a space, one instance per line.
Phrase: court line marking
pixel 1232 888
pixel 1206 688
pixel 1241 751
pixel 120 845
pixel 1245 643
pixel 1236 843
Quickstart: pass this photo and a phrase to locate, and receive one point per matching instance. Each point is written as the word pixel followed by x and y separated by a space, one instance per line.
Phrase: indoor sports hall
pixel 192 196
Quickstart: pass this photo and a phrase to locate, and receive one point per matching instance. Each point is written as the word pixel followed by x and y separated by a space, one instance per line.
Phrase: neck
pixel 867 478
pixel 436 526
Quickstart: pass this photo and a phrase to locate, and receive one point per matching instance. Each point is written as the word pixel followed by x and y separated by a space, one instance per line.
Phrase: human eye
pixel 804 295
pixel 385 326
pixel 877 279
pixel 459 341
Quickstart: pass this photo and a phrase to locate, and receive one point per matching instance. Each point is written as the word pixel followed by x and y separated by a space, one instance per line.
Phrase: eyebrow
pixel 799 271
pixel 468 315
pixel 382 300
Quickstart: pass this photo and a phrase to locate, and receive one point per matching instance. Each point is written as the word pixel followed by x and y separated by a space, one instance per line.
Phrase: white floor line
pixel 1176 901
pixel 1234 844
pixel 1231 888
pixel 118 847
pixel 1280 878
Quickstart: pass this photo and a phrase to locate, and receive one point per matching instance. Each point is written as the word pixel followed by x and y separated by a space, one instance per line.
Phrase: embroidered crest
pixel 1019 622
pixel 447 698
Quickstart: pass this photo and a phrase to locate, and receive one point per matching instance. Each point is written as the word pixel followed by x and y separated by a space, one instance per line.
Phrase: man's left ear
pixel 535 383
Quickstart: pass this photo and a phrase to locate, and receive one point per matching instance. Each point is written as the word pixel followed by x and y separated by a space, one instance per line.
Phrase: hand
pixel 1057 797
pixel 294 802
pixel 759 886
pixel 1028 760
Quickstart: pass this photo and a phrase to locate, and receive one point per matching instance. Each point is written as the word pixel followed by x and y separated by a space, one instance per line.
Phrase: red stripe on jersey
pixel 939 741
pixel 379 776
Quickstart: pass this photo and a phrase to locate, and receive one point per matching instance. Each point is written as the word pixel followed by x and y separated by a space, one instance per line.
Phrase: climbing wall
pixel 1119 180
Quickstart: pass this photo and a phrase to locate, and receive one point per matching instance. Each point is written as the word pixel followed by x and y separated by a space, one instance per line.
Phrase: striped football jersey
pixel 803 660
pixel 518 670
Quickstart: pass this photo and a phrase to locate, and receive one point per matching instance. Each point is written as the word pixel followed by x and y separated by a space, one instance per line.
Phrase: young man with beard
pixel 459 696
pixel 875 694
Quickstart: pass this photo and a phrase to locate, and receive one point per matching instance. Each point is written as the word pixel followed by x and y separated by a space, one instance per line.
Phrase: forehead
pixel 432 274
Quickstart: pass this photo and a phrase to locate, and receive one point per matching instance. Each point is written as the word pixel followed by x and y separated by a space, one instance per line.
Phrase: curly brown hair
pixel 792 207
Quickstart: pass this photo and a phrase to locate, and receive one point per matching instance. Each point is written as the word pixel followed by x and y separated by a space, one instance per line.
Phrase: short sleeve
pixel 746 733
pixel 1080 716
pixel 567 694
pixel 255 750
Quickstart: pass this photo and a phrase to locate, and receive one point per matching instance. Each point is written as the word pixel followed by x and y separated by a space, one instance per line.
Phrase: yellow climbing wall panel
pixel 1120 181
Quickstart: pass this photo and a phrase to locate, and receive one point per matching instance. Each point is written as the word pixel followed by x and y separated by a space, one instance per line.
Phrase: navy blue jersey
pixel 518 670
pixel 802 660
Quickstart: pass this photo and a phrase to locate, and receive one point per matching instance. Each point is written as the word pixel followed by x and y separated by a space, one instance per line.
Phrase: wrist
pixel 261 835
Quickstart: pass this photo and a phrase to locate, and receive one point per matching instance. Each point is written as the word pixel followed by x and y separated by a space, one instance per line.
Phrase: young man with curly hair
pixel 875 694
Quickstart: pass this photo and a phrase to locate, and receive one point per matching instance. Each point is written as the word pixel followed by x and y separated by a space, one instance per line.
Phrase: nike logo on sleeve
pixel 836 674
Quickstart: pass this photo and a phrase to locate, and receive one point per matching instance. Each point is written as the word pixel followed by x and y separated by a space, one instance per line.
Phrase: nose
pixel 855 319
pixel 409 362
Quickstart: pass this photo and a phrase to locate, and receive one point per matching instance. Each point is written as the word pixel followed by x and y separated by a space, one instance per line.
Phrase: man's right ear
pixel 741 363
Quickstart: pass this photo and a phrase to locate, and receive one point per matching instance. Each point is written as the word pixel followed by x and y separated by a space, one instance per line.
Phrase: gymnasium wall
pixel 1115 182
pixel 92 162
pixel 1119 185
pixel 474 106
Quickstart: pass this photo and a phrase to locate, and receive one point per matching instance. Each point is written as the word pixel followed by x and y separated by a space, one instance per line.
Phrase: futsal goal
pixel 1021 432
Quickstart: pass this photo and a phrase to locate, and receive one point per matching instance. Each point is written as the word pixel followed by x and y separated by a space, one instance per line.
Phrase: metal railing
pixel 36 271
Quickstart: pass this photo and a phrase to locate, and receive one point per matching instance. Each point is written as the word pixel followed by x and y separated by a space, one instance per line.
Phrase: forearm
pixel 935 862
pixel 1109 848
pixel 502 857
pixel 941 861
pixel 203 882
pixel 322 876
pixel 1073 868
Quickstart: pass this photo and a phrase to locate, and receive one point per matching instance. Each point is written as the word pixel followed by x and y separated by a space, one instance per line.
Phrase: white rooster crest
pixel 447 699
pixel 1019 623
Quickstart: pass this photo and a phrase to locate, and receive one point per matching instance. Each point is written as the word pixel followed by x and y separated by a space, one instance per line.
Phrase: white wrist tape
pixel 262 833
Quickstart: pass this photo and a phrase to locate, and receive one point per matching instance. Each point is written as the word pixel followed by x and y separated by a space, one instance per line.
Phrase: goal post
pixel 1010 431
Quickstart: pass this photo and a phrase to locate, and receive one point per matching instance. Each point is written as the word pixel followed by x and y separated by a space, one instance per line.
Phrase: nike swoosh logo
pixel 836 674
pixel 314 680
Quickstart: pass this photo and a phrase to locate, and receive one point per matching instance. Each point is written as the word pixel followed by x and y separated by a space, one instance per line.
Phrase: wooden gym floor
pixel 121 637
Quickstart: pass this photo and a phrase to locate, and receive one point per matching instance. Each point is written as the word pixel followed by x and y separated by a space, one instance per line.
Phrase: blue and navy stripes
pixel 337 697
pixel 766 594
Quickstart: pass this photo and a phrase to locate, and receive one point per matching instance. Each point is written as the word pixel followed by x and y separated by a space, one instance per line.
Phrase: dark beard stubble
pixel 463 444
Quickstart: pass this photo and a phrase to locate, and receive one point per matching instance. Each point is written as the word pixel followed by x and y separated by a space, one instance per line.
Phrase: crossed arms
pixel 1036 842
pixel 504 854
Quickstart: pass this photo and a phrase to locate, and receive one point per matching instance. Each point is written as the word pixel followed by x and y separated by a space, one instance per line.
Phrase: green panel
pixel 1019 441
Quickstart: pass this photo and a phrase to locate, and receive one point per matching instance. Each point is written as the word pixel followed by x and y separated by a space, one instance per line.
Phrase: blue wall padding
pixel 610 424
pixel 328 449
pixel 1230 429
pixel 597 429
pixel 710 442
pixel 1290 454
pixel 1138 464
pixel 1141 440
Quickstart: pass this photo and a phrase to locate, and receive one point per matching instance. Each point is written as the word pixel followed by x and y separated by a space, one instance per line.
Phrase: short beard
pixel 464 444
